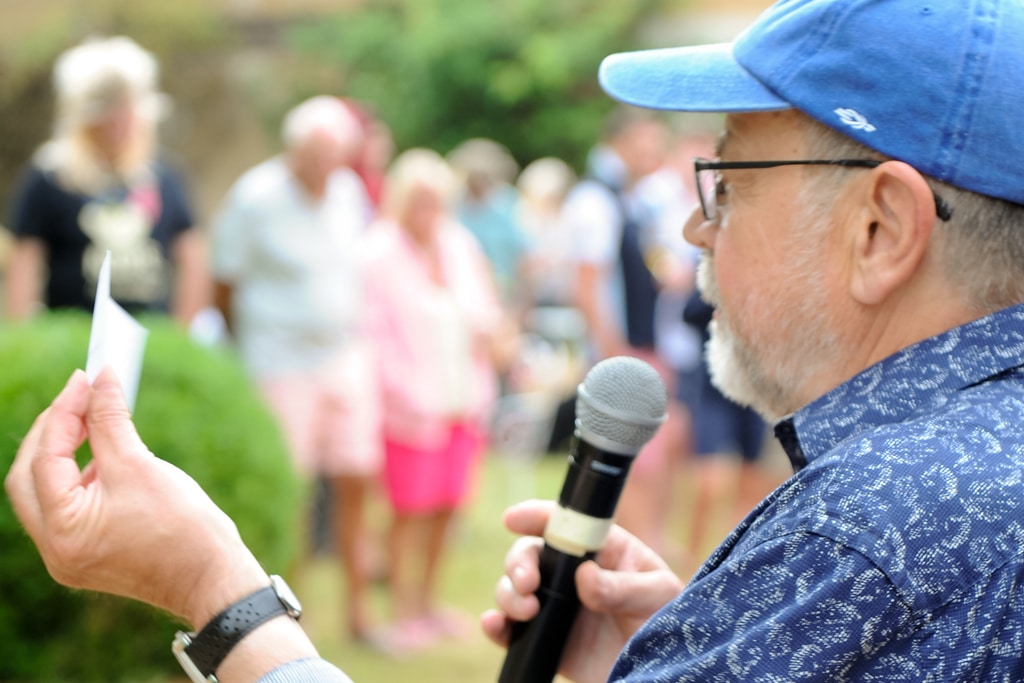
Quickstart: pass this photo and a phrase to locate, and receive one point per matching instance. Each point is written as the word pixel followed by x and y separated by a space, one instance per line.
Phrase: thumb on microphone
pixel 529 517
pixel 626 594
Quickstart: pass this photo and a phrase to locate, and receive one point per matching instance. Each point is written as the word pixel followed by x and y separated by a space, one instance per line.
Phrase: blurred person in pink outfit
pixel 433 314
pixel 285 260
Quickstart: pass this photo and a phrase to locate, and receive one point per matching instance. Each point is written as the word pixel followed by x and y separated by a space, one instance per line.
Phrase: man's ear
pixel 892 231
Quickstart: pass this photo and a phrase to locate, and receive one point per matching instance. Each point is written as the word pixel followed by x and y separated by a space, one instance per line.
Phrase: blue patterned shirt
pixel 894 553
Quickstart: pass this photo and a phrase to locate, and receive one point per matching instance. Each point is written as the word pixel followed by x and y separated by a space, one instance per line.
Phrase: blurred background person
pixel 375 151
pixel 97 185
pixel 433 318
pixel 487 204
pixel 553 358
pixel 548 258
pixel 285 263
pixel 622 261
pixel 670 194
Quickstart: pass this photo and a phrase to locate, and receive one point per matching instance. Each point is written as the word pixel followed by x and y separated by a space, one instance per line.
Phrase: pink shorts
pixel 330 416
pixel 423 480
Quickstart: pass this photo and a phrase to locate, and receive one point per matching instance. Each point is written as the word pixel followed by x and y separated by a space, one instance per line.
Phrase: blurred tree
pixel 522 72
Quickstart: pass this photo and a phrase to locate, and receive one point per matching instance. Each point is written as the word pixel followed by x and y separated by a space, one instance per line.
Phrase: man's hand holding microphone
pixel 558 611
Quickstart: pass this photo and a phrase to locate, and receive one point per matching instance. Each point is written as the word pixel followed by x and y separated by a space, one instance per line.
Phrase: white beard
pixel 765 354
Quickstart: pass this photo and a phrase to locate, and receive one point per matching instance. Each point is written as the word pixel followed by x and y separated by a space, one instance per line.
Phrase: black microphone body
pixel 593 483
pixel 620 405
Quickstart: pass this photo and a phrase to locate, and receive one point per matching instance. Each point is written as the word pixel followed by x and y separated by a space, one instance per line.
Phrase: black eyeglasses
pixel 709 180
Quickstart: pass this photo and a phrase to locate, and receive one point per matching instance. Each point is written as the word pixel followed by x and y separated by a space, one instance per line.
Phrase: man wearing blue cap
pixel 863 237
pixel 863 242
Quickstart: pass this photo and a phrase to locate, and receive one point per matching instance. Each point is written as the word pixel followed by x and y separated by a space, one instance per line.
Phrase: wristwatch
pixel 201 653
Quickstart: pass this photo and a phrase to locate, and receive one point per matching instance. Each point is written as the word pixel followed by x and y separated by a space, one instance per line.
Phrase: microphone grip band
pixel 535 646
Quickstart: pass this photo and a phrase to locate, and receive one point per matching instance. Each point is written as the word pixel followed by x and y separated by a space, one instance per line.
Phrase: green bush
pixel 195 408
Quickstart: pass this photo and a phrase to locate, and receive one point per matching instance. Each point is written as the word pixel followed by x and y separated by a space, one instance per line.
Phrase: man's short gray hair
pixel 982 247
pixel 320 113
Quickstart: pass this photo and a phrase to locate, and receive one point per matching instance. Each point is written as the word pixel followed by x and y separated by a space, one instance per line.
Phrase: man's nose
pixel 699 231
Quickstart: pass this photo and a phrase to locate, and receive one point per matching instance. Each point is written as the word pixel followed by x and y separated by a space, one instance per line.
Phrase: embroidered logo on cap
pixel 855 120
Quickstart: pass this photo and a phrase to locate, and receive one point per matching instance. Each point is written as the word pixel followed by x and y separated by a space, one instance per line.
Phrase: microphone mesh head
pixel 620 405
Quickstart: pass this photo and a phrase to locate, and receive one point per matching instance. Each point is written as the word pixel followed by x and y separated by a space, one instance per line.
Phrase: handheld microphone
pixel 619 406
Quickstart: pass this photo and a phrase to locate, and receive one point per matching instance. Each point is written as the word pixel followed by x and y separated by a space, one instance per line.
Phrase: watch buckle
pixel 181 641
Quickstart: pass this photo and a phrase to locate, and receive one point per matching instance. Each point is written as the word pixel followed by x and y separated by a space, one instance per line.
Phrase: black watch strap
pixel 211 645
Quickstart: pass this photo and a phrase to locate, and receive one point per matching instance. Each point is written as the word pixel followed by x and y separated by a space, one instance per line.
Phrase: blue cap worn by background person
pixel 938 84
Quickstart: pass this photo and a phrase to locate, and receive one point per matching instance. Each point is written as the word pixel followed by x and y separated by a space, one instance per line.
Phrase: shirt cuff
pixel 310 670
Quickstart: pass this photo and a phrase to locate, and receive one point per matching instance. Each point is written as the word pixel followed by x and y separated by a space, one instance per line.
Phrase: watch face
pixel 286 596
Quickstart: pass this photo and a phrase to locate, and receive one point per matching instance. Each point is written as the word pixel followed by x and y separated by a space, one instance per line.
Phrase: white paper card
pixel 116 339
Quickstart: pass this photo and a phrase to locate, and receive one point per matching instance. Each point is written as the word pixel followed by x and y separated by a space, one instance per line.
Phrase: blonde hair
pixel 89 81
pixel 412 169
pixel 546 180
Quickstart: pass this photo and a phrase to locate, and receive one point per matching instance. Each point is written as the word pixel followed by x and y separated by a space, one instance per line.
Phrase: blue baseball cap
pixel 938 84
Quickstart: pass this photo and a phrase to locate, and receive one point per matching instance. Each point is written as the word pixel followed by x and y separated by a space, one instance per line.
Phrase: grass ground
pixel 474 565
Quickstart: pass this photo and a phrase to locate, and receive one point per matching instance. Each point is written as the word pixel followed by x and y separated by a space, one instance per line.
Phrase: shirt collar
pixel 918 377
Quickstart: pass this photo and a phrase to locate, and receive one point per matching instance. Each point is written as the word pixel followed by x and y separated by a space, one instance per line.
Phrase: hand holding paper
pixel 116 339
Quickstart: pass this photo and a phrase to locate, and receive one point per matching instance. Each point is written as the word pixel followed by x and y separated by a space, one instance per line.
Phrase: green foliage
pixel 523 72
pixel 197 409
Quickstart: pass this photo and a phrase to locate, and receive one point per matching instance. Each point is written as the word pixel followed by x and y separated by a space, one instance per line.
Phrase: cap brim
pixel 703 78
